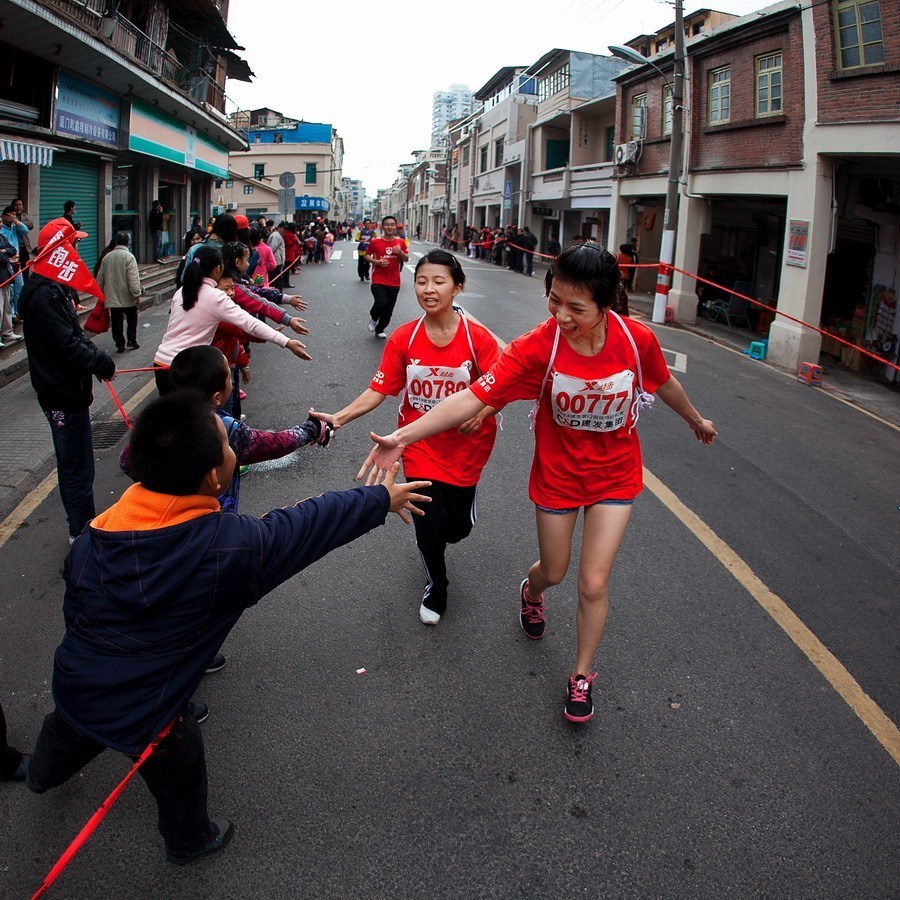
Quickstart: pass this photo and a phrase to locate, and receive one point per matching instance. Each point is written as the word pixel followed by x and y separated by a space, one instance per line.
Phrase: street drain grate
pixel 107 434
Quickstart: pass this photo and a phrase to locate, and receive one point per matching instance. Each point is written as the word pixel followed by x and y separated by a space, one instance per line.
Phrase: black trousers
pixel 362 267
pixel 175 774
pixel 9 756
pixel 130 316
pixel 448 519
pixel 383 306
pixel 163 382
pixel 74 448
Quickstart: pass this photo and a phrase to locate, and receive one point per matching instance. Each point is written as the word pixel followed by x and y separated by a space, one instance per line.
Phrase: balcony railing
pixel 132 43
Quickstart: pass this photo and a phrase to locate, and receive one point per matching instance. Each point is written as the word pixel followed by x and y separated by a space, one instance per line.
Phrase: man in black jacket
pixel 61 362
pixel 155 221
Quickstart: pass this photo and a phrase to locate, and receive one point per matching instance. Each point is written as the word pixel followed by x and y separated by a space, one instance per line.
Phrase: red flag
pixel 59 260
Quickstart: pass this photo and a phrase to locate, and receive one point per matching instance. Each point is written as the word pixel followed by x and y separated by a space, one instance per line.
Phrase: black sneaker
pixel 134 346
pixel 579 706
pixel 531 614
pixel 223 832
pixel 218 662
pixel 200 711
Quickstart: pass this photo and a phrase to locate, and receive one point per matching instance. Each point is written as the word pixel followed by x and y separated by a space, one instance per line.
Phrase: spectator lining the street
pixel 198 307
pixel 162 577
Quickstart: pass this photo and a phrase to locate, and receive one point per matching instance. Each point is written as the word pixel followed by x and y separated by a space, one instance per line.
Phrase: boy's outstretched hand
pixel 402 495
pixel 380 461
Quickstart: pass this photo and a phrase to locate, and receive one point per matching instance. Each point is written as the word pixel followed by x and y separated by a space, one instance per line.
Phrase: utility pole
pixel 670 218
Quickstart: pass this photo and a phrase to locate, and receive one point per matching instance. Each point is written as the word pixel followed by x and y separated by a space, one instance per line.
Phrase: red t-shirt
pixel 379 248
pixel 427 373
pixel 583 451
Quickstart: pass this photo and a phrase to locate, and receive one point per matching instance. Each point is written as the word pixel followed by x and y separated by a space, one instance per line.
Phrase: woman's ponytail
pixel 206 260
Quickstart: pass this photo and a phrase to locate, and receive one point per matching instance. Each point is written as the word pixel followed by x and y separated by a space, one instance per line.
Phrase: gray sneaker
pixel 372 326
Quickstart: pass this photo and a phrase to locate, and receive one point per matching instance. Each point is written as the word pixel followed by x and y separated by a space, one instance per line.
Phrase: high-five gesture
pixel 403 495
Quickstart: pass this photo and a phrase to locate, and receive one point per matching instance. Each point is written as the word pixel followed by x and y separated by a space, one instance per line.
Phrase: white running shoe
pixel 428 616
pixel 381 334
pixel 372 325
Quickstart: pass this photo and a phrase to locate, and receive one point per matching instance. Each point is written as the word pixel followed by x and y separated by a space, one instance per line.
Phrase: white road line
pixel 337 254
pixel 679 363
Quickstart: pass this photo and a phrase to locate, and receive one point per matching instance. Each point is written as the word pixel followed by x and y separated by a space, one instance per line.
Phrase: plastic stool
pixel 757 349
pixel 811 374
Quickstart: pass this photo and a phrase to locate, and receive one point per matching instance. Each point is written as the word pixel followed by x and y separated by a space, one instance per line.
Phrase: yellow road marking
pixel 869 712
pixel 35 497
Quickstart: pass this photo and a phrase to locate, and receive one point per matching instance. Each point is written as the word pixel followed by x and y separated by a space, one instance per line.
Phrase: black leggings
pixel 448 519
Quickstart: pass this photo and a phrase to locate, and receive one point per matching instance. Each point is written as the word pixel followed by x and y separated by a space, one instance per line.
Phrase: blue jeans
pixel 74 448
pixel 157 245
pixel 16 286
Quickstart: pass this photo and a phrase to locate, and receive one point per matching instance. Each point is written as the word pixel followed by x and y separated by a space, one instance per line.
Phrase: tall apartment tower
pixel 449 105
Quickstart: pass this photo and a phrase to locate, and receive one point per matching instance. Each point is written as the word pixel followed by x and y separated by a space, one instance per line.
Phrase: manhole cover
pixel 107 434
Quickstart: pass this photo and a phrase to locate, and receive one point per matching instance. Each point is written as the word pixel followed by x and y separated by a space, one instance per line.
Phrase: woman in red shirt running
pixel 589 372
pixel 424 361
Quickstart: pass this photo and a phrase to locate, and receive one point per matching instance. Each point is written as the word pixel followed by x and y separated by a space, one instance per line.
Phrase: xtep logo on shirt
pixel 597 386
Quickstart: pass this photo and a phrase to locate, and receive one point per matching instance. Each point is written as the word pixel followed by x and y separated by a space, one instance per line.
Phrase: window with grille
pixel 768 85
pixel 858 31
pixel 553 83
pixel 720 96
pixel 312 175
pixel 248 188
pixel 498 152
pixel 259 170
pixel 667 106
pixel 638 117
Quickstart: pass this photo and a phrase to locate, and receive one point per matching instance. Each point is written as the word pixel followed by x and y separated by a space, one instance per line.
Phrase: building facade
pixel 311 152
pixel 113 106
pixel 790 183
pixel 455 103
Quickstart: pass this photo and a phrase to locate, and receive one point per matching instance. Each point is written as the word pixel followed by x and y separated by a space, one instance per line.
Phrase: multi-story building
pixel 791 184
pixel 355 195
pixel 568 149
pixel 113 106
pixel 455 103
pixel 311 152
pixel 496 142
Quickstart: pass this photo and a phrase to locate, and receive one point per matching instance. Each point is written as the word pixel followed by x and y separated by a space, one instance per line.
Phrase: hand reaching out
pixel 298 349
pixel 402 495
pixel 299 303
pixel 382 459
pixel 298 325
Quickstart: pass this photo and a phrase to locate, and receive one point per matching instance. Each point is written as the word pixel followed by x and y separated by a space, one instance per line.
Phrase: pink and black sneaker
pixel 579 706
pixel 531 615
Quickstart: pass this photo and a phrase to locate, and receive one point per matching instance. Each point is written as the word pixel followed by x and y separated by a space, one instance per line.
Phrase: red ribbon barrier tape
pixel 99 815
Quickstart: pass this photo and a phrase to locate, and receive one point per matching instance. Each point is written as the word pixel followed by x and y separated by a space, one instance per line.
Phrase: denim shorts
pixel 565 512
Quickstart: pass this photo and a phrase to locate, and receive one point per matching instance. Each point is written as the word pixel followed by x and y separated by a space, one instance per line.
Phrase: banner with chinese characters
pixel 86 111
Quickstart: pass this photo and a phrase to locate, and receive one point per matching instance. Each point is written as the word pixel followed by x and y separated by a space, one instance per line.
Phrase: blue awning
pixel 30 153
pixel 319 204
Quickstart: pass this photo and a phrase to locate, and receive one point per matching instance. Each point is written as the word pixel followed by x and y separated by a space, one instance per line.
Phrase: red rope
pixel 778 312
pixel 92 823
pixel 118 403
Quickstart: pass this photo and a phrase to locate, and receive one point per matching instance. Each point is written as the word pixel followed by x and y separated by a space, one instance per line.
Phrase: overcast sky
pixel 370 69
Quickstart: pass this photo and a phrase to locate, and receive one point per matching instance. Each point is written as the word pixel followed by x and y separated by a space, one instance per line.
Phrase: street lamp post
pixel 670 217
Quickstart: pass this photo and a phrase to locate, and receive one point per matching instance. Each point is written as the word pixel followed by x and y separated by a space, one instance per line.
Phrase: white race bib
pixel 600 405
pixel 426 386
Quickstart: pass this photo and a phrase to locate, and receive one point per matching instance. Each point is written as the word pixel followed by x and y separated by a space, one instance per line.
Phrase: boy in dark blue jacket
pixel 154 585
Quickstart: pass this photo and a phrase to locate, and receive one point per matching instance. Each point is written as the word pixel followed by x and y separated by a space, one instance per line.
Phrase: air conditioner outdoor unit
pixel 626 154
pixel 232 205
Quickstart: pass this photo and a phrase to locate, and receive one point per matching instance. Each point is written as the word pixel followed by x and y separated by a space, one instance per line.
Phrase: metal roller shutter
pixel 9 183
pixel 73 177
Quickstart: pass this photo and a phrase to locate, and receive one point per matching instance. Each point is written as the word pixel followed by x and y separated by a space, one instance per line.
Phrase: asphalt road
pixel 720 762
